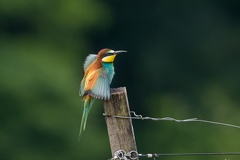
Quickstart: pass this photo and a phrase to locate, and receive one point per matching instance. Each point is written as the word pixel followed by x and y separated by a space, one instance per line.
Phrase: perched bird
pixel 98 74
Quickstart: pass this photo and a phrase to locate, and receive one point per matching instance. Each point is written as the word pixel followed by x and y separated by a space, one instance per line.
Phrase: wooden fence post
pixel 120 130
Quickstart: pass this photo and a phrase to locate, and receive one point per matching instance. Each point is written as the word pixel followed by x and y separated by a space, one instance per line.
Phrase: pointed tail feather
pixel 88 102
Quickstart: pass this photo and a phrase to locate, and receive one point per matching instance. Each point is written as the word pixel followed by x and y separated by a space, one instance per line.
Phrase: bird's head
pixel 108 55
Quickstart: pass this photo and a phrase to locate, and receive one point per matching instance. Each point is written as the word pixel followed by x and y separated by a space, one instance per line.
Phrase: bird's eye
pixel 105 54
pixel 109 53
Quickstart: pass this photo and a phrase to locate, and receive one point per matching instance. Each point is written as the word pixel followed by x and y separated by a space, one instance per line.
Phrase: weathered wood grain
pixel 120 130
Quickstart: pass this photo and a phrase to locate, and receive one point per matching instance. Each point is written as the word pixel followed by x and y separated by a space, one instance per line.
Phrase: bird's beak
pixel 120 51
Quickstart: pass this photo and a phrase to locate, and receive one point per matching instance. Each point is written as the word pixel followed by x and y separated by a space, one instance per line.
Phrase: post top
pixel 118 90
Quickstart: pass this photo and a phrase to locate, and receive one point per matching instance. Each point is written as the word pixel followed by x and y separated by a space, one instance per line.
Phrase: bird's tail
pixel 88 101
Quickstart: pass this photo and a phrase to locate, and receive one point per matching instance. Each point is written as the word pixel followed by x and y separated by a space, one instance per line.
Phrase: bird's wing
pixel 90 58
pixel 97 84
pixel 81 90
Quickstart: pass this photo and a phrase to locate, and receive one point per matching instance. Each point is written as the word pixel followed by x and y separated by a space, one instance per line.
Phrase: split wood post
pixel 120 130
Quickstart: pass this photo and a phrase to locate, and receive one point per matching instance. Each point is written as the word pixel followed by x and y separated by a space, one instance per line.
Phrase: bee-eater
pixel 98 74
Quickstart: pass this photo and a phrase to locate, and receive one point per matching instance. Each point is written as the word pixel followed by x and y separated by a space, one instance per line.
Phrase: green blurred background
pixel 183 61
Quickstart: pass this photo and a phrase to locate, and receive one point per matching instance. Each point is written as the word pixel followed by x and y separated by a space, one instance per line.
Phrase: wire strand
pixel 133 155
pixel 190 154
pixel 140 117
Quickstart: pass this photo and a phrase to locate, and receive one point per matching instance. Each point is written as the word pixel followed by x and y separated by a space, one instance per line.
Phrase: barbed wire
pixel 133 155
pixel 140 117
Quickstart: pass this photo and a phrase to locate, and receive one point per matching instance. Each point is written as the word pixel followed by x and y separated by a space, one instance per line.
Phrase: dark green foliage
pixel 182 61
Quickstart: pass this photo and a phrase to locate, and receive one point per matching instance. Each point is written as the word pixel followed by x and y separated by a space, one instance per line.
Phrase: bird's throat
pixel 109 59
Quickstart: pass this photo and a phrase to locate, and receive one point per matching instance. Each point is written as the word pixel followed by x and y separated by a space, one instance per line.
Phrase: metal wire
pixel 133 155
pixel 140 117
pixel 189 154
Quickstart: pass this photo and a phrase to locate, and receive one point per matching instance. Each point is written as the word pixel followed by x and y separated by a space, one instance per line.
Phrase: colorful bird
pixel 98 74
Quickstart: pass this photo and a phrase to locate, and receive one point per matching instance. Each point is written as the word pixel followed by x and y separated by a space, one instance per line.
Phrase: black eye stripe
pixel 106 54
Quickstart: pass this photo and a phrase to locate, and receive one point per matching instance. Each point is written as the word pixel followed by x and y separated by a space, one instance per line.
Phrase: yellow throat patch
pixel 109 59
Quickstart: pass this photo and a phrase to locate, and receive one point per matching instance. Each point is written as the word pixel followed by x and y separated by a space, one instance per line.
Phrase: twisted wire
pixel 140 117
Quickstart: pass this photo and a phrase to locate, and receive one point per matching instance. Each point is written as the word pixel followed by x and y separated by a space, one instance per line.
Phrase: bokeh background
pixel 183 61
